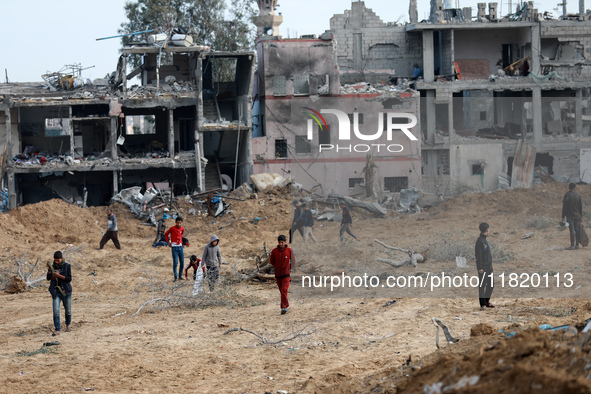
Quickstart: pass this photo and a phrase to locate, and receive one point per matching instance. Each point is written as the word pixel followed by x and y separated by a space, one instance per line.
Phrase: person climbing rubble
pixel 112 231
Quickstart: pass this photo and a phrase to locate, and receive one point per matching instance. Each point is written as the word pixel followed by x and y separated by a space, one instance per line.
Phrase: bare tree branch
pixel 266 341
pixel 413 258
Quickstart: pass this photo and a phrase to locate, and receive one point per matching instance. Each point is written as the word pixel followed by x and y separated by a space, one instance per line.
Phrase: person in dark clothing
pixel 283 260
pixel 484 267
pixel 60 288
pixel 308 223
pixel 572 212
pixel 346 223
pixel 296 225
pixel 111 233
pixel 160 239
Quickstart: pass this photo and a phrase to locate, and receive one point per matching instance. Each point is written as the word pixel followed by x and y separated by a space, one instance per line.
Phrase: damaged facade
pixel 298 78
pixel 188 124
pixel 486 81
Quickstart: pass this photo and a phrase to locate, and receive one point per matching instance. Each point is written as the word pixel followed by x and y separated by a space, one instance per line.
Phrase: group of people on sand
pixel 303 222
pixel 282 257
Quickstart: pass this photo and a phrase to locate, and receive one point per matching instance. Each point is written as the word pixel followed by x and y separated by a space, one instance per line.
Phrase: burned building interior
pixel 186 125
pixel 486 82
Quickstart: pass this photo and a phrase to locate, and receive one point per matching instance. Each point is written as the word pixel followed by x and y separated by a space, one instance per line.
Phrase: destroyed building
pixel 298 114
pixel 487 82
pixel 186 124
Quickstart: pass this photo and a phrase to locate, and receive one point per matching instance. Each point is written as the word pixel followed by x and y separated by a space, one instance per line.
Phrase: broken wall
pixel 16 146
pixel 180 66
pixel 33 131
pixel 365 44
pixel 337 168
pixel 478 109
pixel 566 46
pixel 298 67
pixel 567 163
pixel 475 167
pixel 479 52
pixel 136 143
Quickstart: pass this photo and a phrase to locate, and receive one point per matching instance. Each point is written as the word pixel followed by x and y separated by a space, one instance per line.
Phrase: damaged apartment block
pixel 188 124
pixel 299 81
pixel 500 94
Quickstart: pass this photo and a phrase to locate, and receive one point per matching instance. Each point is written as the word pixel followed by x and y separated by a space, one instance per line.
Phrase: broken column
pixel 171 133
pixel 529 11
pixel 436 11
pixel 413 14
pixel 492 11
pixel 9 172
pixel 467 11
pixel 581 7
pixel 579 113
pixel 428 56
pixel 481 11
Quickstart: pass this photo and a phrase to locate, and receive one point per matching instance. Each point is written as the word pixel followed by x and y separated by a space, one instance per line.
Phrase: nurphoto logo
pixel 344 130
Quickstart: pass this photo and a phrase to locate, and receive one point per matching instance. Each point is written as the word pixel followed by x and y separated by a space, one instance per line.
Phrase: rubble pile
pixel 366 87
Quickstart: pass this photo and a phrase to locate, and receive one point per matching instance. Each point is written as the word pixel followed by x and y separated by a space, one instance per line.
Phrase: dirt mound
pixel 481 329
pixel 532 360
pixel 16 285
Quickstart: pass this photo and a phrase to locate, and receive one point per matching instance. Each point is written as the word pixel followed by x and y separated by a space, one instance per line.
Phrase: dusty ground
pixel 351 344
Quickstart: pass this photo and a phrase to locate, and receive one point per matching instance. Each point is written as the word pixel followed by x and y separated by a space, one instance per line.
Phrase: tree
pixel 208 21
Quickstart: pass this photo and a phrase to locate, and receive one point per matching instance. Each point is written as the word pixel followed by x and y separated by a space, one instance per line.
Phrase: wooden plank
pixel 474 68
pixel 523 165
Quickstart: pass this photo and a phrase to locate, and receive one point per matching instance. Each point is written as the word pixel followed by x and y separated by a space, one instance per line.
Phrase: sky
pixel 37 36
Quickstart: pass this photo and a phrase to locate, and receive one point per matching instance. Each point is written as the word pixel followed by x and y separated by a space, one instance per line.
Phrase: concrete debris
pixel 366 87
pixel 409 200
pixel 461 262
pixel 265 180
pixel 244 191
pixel 330 217
pixel 132 197
pixel 437 388
pixel 369 206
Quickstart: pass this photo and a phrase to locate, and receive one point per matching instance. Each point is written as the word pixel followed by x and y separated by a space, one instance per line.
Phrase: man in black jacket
pixel 484 266
pixel 296 225
pixel 572 212
pixel 60 287
pixel 346 223
pixel 308 222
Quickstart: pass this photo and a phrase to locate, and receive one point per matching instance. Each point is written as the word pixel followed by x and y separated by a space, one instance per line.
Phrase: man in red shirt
pixel 174 237
pixel 283 260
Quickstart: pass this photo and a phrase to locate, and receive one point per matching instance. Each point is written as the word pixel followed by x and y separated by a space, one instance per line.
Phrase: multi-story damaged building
pixel 499 94
pixel 188 124
pixel 309 127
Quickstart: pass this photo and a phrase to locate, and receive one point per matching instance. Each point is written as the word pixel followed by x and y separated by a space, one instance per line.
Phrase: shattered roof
pixel 20 88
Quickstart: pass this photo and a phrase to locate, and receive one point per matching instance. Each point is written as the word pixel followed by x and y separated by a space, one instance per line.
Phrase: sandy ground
pixel 344 344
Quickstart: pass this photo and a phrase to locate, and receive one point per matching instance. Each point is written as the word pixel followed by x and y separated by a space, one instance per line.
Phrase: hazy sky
pixel 37 36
